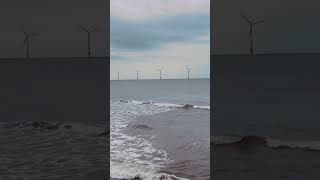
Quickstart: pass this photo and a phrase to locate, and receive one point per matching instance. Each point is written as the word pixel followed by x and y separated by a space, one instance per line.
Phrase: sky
pixel 290 26
pixel 57 23
pixel 147 35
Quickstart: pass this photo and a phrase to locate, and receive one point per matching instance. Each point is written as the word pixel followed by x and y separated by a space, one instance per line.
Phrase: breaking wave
pixel 169 105
pixel 269 142
pixel 135 156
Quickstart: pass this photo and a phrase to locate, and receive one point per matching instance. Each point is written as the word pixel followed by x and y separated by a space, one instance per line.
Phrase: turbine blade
pixel 246 19
pixel 83 28
pixel 259 22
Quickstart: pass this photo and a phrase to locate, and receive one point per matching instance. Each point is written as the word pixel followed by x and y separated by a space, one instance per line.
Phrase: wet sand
pixel 184 135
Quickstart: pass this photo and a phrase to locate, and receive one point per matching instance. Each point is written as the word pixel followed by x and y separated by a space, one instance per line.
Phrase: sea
pixel 271 97
pixel 53 119
pixel 154 135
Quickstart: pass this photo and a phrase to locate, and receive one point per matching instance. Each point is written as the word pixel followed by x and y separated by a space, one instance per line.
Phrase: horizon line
pixel 158 79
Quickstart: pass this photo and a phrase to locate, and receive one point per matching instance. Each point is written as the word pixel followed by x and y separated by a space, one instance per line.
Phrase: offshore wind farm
pixel 54 90
pixel 188 75
pixel 160 90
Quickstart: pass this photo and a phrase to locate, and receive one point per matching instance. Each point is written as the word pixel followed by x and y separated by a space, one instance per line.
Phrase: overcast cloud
pixel 148 35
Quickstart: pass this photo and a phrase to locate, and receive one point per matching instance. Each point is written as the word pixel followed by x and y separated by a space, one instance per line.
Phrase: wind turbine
pixel 251 24
pixel 26 42
pixel 188 71
pixel 88 31
pixel 160 71
pixel 137 74
pixel 118 76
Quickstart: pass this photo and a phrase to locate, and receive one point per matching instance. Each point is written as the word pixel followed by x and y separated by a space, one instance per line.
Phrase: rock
pixel 187 106
pixel 142 126
pixel 105 133
pixel 67 126
pixel 52 127
pixel 135 178
pixel 43 124
pixel 251 141
pixel 35 124
pixel 148 103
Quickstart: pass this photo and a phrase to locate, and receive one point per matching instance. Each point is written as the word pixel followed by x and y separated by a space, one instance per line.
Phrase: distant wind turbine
pixel 118 76
pixel 160 71
pixel 251 25
pixel 88 31
pixel 137 74
pixel 188 71
pixel 26 42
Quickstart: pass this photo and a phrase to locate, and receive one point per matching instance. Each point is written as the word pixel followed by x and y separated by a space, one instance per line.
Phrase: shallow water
pixel 159 139
pixel 271 96
pixel 74 151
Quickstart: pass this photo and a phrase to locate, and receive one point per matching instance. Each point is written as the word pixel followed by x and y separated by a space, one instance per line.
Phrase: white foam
pixel 132 156
pixel 313 145
pixel 163 104
pixel 271 142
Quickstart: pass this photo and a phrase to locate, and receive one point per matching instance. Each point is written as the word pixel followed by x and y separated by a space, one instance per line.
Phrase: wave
pixel 56 148
pixel 169 105
pixel 158 176
pixel 254 141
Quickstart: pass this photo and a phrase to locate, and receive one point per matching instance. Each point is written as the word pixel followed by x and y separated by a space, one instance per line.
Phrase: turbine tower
pixel 188 71
pixel 26 42
pixel 88 31
pixel 251 24
pixel 118 76
pixel 137 74
pixel 160 71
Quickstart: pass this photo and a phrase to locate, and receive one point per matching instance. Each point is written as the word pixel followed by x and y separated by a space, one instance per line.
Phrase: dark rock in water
pixel 35 124
pixel 135 178
pixel 43 124
pixel 67 126
pixel 142 126
pixel 24 124
pixel 148 103
pixel 124 101
pixel 251 141
pixel 187 106
pixel 105 133
pixel 247 142
pixel 52 127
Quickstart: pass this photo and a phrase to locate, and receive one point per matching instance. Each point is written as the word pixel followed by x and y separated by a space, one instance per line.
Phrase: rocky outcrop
pixel 247 142
pixel 188 106
pixel 42 125
pixel 142 126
